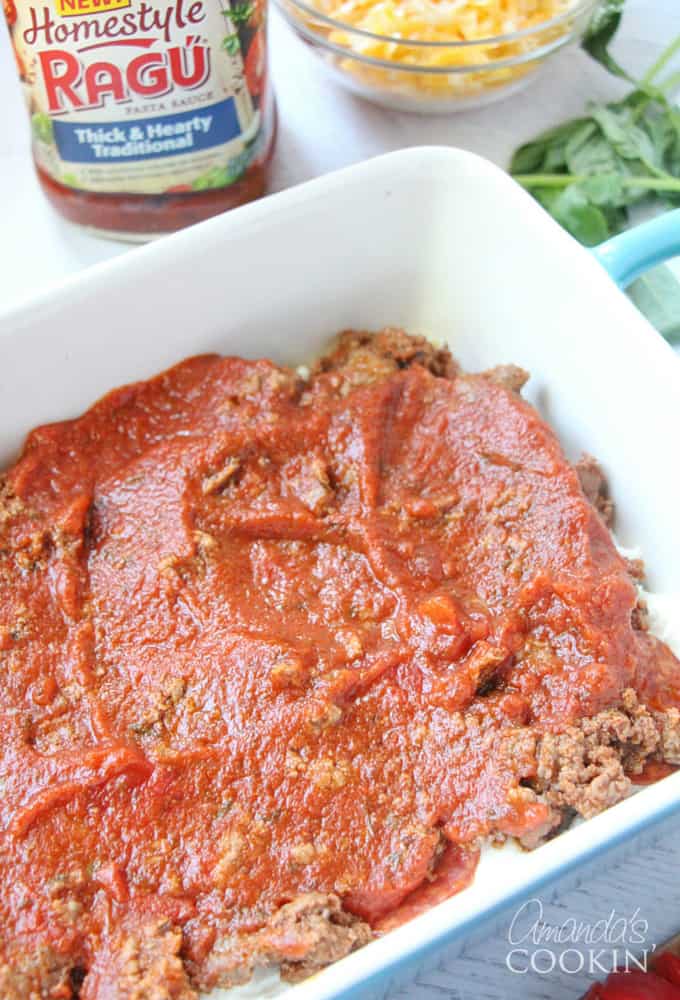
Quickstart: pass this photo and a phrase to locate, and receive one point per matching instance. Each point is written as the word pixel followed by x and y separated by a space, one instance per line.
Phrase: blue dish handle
pixel 632 253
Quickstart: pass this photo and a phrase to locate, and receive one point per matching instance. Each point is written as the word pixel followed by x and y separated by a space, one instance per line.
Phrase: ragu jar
pixel 146 116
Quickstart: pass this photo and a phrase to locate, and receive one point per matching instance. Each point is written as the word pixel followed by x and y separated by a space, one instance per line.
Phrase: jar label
pixel 144 96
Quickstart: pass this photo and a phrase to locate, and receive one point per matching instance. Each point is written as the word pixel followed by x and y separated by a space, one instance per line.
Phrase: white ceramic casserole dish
pixel 442 243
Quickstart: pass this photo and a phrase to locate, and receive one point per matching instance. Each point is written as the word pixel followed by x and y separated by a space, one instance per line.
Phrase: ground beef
pixel 586 768
pixel 144 965
pixel 636 568
pixel 555 819
pixel 511 377
pixel 594 485
pixel 640 616
pixel 301 938
pixel 366 357
pixel 311 932
pixel 669 722
pixel 42 975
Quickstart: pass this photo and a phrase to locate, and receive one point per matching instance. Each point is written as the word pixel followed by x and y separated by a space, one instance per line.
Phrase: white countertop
pixel 322 128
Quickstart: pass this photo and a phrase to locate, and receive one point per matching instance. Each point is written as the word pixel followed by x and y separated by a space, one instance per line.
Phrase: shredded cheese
pixel 404 21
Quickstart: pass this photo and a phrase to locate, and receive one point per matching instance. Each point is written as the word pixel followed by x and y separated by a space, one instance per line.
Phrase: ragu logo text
pixel 73 83
pixel 70 86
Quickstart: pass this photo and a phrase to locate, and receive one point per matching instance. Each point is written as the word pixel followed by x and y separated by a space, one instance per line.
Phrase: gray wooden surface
pixel 643 885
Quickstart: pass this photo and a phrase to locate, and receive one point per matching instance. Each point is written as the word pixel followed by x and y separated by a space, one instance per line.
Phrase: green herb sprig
pixel 239 13
pixel 231 44
pixel 603 26
pixel 589 171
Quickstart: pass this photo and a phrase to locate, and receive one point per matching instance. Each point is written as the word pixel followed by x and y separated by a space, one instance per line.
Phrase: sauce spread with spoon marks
pixel 278 653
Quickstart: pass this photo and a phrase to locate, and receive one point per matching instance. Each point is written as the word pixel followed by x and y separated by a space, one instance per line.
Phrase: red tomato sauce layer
pixel 277 653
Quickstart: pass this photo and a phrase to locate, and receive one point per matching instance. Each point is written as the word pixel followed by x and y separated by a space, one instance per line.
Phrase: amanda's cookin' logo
pixel 81 8
pixel 573 946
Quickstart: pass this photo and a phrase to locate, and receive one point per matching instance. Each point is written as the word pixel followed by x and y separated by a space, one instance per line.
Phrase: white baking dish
pixel 444 244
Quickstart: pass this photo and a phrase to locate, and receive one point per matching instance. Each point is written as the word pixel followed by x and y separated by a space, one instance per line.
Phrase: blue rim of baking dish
pixel 630 254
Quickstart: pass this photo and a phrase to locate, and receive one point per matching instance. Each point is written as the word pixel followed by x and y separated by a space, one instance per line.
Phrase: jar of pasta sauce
pixel 146 115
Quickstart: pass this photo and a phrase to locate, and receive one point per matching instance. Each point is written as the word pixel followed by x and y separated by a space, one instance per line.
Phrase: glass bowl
pixel 433 76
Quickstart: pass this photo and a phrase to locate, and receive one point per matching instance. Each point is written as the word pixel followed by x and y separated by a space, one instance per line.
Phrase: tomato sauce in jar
pixel 146 116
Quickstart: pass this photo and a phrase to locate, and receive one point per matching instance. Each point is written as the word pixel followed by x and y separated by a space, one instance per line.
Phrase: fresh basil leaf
pixel 572 208
pixel 529 159
pixel 555 160
pixel 617 218
pixel 625 136
pixel 535 155
pixel 603 26
pixel 633 194
pixel 593 154
pixel 672 123
pixel 657 296
pixel 605 190
pixel 580 138
pixel 605 19
pixel 596 159
pixel 659 127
